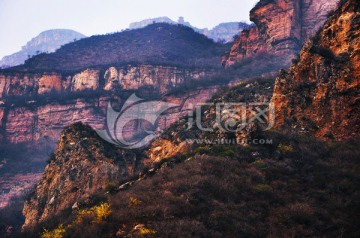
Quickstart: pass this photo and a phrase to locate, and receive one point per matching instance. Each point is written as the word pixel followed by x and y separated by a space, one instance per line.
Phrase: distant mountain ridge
pixel 156 44
pixel 46 41
pixel 222 32
pixel 51 40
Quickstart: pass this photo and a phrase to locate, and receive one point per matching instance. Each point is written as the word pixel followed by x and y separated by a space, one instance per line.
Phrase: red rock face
pixel 82 164
pixel 33 120
pixel 319 95
pixel 162 78
pixel 281 27
pixel 23 124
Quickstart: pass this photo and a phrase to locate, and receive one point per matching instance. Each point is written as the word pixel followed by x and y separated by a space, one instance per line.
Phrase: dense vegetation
pixel 158 44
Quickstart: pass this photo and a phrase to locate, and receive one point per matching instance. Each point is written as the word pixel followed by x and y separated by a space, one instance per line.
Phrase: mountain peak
pixel 46 41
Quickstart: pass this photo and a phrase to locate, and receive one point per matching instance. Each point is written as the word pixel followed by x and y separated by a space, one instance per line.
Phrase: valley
pixel 293 77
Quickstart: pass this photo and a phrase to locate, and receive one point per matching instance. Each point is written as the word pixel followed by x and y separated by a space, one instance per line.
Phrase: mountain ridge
pixel 164 44
pixel 221 32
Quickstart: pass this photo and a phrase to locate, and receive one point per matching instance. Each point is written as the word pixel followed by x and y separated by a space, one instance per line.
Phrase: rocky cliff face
pixel 320 93
pixel 47 41
pixel 30 119
pixel 81 165
pixel 32 122
pixel 281 27
pixel 160 78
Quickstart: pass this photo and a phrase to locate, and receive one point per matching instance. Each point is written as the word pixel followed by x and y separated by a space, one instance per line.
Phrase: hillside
pixel 280 188
pixel 159 44
pixel 46 41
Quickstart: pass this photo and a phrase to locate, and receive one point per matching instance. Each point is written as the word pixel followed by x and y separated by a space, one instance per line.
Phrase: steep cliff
pixel 81 165
pixel 129 77
pixel 281 27
pixel 319 94
pixel 47 41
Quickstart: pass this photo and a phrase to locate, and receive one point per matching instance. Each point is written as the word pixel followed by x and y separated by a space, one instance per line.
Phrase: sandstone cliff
pixel 319 94
pixel 25 114
pixel 281 27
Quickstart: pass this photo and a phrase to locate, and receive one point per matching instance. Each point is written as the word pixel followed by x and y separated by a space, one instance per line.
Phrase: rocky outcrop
pixel 81 165
pixel 88 79
pixel 319 95
pixel 47 41
pixel 160 78
pixel 49 83
pixel 281 27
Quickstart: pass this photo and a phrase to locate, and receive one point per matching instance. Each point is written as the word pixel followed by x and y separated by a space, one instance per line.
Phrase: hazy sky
pixel 21 20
